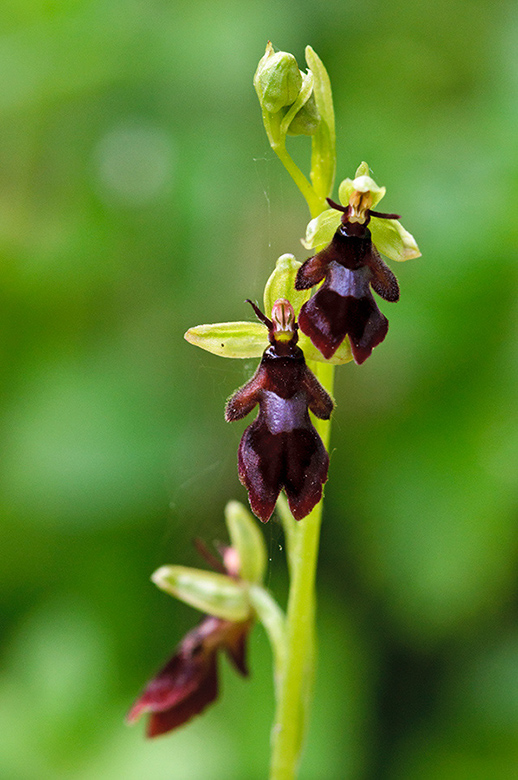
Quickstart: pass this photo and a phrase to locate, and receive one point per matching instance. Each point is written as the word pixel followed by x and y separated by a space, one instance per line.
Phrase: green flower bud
pixel 307 120
pixel 215 594
pixel 277 80
pixel 247 540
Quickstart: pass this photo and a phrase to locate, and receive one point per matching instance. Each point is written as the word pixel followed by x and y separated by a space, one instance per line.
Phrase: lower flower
pixel 188 683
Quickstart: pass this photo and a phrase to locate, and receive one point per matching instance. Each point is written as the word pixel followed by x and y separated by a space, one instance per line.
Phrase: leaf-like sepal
pixel 215 594
pixel 391 239
pixel 321 229
pixel 248 540
pixel 281 284
pixel 230 339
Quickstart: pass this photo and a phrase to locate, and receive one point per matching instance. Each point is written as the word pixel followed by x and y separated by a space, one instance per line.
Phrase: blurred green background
pixel 138 197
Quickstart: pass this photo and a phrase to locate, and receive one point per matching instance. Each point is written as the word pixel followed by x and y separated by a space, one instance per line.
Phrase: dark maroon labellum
pixel 281 448
pixel 344 305
pixel 188 683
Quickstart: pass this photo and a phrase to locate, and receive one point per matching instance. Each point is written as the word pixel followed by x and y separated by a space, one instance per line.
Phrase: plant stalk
pixel 296 670
pixel 297 674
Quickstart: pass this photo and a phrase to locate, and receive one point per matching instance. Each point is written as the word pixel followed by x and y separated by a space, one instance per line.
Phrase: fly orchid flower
pixel 350 265
pixel 281 448
pixel 188 682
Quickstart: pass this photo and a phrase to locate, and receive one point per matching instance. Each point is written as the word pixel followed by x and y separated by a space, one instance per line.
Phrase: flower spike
pixel 281 448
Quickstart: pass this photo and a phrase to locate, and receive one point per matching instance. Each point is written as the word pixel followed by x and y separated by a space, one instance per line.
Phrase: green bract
pixel 215 594
pixel 247 540
pixel 388 235
pixel 277 80
pixel 342 355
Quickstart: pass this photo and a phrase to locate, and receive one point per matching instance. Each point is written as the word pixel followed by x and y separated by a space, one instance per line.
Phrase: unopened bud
pixel 307 120
pixel 277 80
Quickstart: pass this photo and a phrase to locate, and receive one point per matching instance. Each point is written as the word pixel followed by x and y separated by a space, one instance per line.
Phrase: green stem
pixel 274 622
pixel 295 682
pixel 296 666
pixel 275 127
pixel 316 204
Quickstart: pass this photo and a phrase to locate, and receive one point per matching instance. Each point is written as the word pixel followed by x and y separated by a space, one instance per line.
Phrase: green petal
pixel 342 355
pixel 247 539
pixel 361 183
pixel 215 594
pixel 230 339
pixel 281 284
pixel 391 239
pixel 321 230
pixel 362 170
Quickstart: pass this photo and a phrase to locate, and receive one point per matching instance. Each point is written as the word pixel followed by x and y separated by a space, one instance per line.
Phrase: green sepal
pixel 362 170
pixel 277 80
pixel 391 239
pixel 215 594
pixel 361 183
pixel 342 355
pixel 281 284
pixel 248 541
pixel 230 339
pixel 321 229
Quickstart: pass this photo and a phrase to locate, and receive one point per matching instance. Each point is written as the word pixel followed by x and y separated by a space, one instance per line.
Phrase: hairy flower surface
pixel 188 682
pixel 350 266
pixel 281 448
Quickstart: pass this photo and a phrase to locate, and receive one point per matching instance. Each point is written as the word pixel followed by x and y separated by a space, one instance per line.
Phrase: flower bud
pixel 277 80
pixel 307 120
